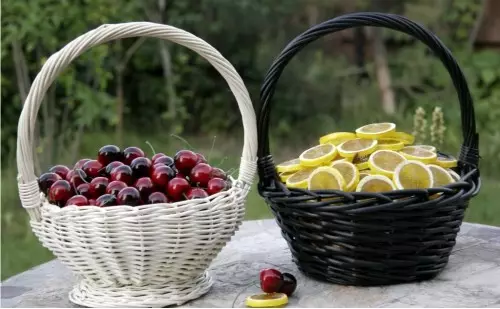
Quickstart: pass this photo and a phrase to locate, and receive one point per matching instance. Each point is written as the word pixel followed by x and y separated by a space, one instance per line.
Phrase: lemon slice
pixel 406 138
pixel 390 144
pixel 375 130
pixel 361 163
pixel 427 147
pixel 318 155
pixel 446 162
pixel 336 138
pixel 349 172
pixel 325 178
pixel 267 300
pixel 384 162
pixel 289 166
pixel 453 174
pixel 413 175
pixel 299 179
pixel 419 154
pixel 363 174
pixel 375 183
pixel 359 146
pixel 440 175
pixel 285 175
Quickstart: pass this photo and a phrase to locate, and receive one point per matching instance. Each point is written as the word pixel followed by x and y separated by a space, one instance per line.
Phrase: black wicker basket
pixel 372 238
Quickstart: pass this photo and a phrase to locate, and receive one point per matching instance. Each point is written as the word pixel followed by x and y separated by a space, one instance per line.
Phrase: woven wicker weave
pixel 145 256
pixel 370 238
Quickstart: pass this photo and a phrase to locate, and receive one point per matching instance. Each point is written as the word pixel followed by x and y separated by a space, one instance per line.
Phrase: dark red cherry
pixel 84 189
pixel 177 187
pixel 61 170
pixel 218 173
pixel 216 185
pixel 166 160
pixel 145 187
pixel 111 166
pixel 196 193
pixel 156 156
pixel 122 173
pixel 161 175
pixel 200 174
pixel 130 153
pixel 289 284
pixel 271 280
pixel 115 186
pixel 60 192
pixel 46 180
pixel 157 198
pixel 92 168
pixel 98 186
pixel 78 200
pixel 129 196
pixel 106 200
pixel 108 154
pixel 80 163
pixel 185 160
pixel 141 167
pixel 76 177
pixel 201 158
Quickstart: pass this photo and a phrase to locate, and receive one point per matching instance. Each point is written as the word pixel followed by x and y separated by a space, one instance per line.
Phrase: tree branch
pixel 477 25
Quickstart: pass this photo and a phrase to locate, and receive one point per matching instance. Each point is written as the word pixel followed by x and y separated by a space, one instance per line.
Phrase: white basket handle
pixel 28 186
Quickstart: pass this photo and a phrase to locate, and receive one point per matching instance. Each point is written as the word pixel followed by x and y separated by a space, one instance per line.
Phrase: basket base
pixel 87 294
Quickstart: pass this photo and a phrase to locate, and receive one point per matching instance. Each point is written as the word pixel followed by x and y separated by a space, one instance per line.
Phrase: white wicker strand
pixel 144 256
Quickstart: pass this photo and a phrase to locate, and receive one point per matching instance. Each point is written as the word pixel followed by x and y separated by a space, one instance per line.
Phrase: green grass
pixel 21 249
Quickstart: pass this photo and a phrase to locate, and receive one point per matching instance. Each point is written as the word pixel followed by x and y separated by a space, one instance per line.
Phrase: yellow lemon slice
pixel 336 138
pixel 419 154
pixel 349 172
pixel 390 144
pixel 427 147
pixel 384 162
pixel 375 183
pixel 361 163
pixel 446 162
pixel 406 138
pixel 285 175
pixel 299 179
pixel 413 175
pixel 363 174
pixel 440 175
pixel 289 166
pixel 267 300
pixel 318 155
pixel 359 146
pixel 326 178
pixel 375 130
pixel 453 174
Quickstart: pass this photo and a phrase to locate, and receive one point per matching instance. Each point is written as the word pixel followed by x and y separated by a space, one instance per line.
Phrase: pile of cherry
pixel 273 281
pixel 128 177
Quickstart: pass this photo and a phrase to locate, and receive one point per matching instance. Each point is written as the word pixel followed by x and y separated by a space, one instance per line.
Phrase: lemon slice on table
pixel 384 162
pixel 318 155
pixel 336 138
pixel 349 172
pixel 363 174
pixel 267 300
pixel 413 175
pixel 361 163
pixel 326 178
pixel 390 144
pixel 299 179
pixel 427 147
pixel 289 166
pixel 375 183
pixel 285 175
pixel 376 130
pixel 419 154
pixel 446 162
pixel 454 174
pixel 359 146
pixel 440 175
pixel 406 138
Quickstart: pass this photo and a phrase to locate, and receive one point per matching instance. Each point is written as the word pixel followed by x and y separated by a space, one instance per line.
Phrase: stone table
pixel 471 279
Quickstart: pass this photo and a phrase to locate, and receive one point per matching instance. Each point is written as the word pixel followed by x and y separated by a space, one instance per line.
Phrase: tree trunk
pixel 383 73
pixel 119 107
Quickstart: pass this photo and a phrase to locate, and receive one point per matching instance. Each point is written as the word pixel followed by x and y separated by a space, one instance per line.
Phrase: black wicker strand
pixel 358 238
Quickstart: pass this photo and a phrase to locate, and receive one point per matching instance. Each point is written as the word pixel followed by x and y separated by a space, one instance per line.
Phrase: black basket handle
pixel 469 153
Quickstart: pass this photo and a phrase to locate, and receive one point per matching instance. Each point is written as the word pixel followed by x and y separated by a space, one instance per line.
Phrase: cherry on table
pixel 161 175
pixel 216 185
pixel 46 180
pixel 84 189
pixel 108 154
pixel 157 198
pixel 145 187
pixel 98 186
pixel 177 187
pixel 122 173
pixel 130 153
pixel 115 186
pixel 200 174
pixel 194 193
pixel 106 200
pixel 111 166
pixel 271 280
pixel 185 160
pixel 289 284
pixel 141 167
pixel 129 196
pixel 78 200
pixel 76 177
pixel 61 170
pixel 80 163
pixel 60 192
pixel 92 168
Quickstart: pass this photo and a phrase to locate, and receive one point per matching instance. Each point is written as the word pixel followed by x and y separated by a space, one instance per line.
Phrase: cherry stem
pixel 182 140
pixel 222 161
pixel 151 146
pixel 79 174
pixel 212 148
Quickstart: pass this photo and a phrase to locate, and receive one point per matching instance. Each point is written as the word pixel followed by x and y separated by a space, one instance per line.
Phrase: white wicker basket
pixel 145 256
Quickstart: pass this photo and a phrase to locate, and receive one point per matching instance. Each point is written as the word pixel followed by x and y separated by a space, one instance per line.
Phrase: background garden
pixel 137 90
